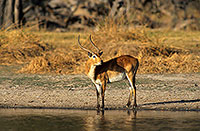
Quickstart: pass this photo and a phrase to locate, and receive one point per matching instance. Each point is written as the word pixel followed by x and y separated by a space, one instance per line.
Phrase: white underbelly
pixel 117 77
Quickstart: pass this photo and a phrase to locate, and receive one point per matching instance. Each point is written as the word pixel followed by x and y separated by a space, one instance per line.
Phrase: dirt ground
pixel 154 91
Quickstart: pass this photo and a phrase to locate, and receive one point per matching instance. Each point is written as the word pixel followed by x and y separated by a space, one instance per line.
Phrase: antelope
pixel 116 69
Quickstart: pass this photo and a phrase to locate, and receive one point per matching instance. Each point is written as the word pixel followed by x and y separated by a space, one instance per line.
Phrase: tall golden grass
pixel 153 54
pixel 51 52
pixel 19 46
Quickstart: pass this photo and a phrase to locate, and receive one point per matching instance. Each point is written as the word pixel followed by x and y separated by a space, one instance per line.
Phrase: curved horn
pixel 82 46
pixel 94 44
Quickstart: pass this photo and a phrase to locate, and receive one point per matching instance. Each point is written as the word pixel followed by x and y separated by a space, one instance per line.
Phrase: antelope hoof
pixel 134 106
pixel 128 104
pixel 98 107
pixel 102 107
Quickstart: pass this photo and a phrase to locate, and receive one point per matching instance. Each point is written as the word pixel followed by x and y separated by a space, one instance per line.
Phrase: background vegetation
pixel 162 43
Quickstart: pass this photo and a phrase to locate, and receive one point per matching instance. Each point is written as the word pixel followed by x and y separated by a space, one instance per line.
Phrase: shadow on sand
pixel 170 102
pixel 176 108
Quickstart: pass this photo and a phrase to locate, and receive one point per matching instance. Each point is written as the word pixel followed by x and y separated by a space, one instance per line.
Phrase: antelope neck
pixel 91 73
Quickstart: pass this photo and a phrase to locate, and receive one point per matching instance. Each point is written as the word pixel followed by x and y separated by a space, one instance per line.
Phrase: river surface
pixel 87 120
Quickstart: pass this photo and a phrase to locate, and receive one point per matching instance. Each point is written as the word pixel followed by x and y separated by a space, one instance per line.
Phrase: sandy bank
pixel 154 92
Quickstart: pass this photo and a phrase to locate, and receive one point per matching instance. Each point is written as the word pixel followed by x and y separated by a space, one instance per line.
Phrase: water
pixel 75 120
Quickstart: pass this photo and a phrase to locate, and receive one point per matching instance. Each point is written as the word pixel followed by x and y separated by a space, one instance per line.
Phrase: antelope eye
pixel 94 56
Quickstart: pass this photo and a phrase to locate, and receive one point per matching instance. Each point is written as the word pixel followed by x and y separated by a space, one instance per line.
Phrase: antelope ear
pixel 100 53
pixel 89 54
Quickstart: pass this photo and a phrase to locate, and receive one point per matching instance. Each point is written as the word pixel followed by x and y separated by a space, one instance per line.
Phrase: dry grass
pixel 57 61
pixel 18 46
pixel 158 51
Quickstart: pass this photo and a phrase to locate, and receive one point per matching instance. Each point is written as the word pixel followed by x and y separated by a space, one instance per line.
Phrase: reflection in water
pixel 41 119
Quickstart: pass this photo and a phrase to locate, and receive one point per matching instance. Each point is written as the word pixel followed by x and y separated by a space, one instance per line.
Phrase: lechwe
pixel 116 69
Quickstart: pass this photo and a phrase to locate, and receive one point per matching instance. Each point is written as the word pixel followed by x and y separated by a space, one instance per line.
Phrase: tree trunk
pixel 10 13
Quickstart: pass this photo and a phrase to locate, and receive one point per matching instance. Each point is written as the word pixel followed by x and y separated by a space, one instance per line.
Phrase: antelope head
pixel 94 58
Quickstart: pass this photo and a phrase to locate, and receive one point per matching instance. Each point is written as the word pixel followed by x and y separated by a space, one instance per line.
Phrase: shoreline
pixel 106 109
